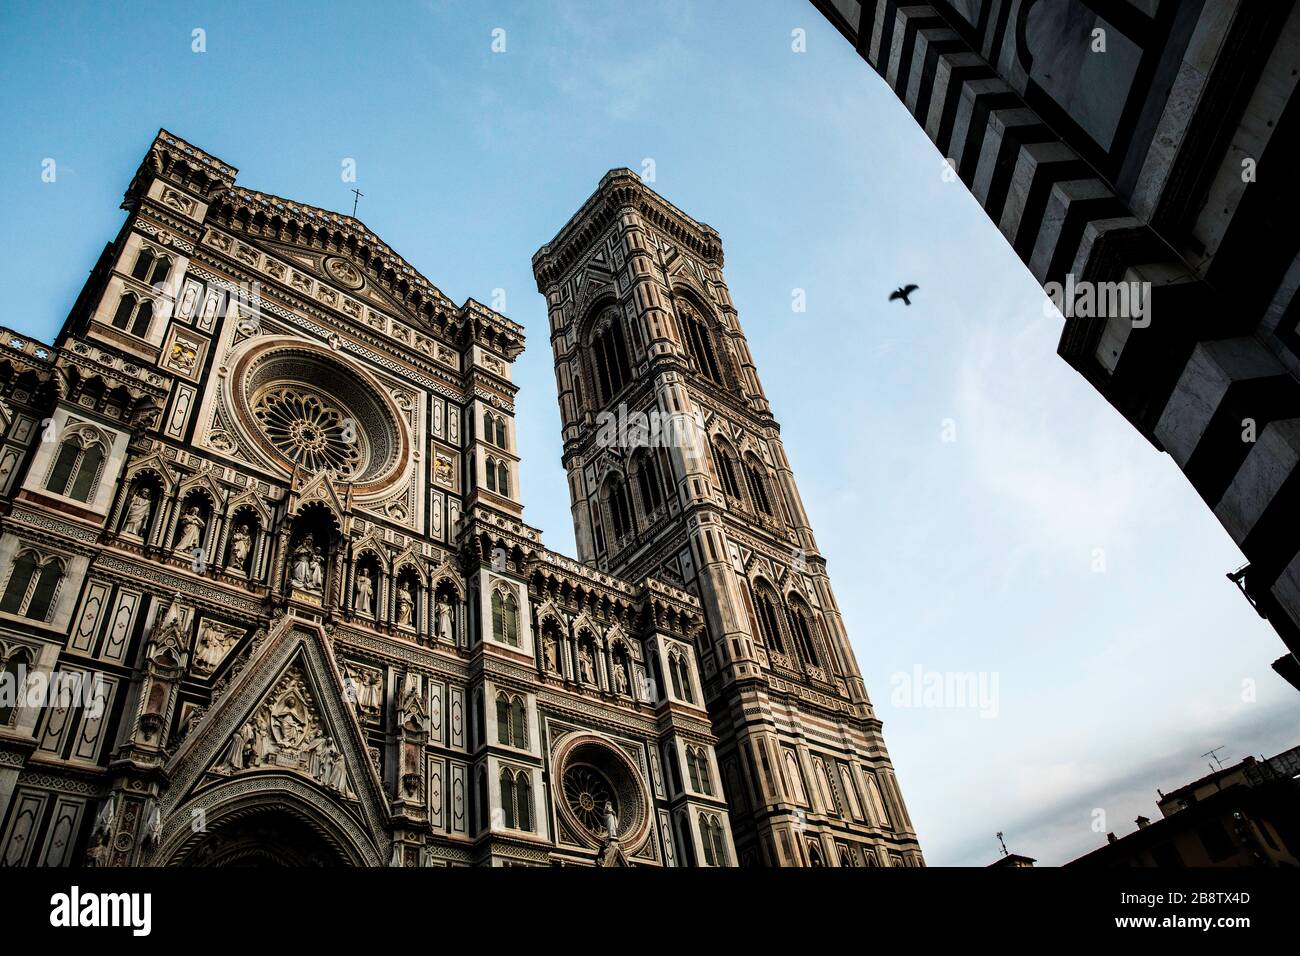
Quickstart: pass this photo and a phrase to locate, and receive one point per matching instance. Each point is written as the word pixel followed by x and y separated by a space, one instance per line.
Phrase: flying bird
pixel 903 293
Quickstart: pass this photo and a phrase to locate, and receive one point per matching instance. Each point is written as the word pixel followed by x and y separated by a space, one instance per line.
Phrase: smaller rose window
pixel 310 430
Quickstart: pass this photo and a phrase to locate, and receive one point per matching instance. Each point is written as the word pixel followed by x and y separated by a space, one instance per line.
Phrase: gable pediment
pixel 283 717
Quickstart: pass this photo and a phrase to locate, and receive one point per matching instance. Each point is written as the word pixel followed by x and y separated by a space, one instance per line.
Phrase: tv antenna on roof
pixel 1214 755
pixel 1005 852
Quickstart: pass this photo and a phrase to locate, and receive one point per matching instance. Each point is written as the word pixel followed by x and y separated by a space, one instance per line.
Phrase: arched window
pixel 503 719
pixel 125 309
pixel 711 840
pixel 505 618
pixel 494 429
pixel 798 616
pixel 31 587
pixel 503 478
pixel 524 801
pixel 162 268
pixel 706 840
pixel 726 470
pixel 143 319
pixel 768 623
pixel 756 481
pixel 719 842
pixel 76 468
pixel 490 473
pixel 609 358
pixel 680 673
pixel 481 793
pixel 508 798
pixel 143 264
pixel 620 515
pixel 699 342
pixel 697 766
pixel 512 724
pixel 518 722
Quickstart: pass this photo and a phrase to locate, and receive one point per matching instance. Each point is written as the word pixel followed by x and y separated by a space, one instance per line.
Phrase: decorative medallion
pixel 344 272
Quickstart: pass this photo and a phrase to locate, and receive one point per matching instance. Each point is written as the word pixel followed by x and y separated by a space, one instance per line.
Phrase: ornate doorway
pixel 270 838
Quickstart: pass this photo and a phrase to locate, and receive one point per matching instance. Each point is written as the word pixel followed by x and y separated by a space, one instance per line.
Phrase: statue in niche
pixel 550 649
pixel 620 677
pixel 316 571
pixel 586 667
pixel 240 544
pixel 192 525
pixel 405 604
pixel 444 622
pixel 363 594
pixel 302 557
pixel 137 513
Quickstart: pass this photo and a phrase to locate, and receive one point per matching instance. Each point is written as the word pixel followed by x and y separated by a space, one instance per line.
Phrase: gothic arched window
pixel 620 515
pixel 499 436
pixel 33 582
pixel 524 801
pixel 804 640
pixel 143 319
pixel 711 840
pixel 512 725
pixel 505 618
pixel 756 480
pixel 490 473
pixel 143 264
pixel 679 671
pixel 503 479
pixel 768 623
pixel 76 467
pixel 609 358
pixel 125 309
pixel 726 469
pixel 508 798
pixel 699 342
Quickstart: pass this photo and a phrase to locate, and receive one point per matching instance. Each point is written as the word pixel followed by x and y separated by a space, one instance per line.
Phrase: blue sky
pixel 1116 668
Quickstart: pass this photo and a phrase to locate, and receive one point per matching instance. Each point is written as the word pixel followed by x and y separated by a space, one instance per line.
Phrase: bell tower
pixel 676 469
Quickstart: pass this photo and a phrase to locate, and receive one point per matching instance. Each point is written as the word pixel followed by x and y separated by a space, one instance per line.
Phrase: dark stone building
pixel 1138 156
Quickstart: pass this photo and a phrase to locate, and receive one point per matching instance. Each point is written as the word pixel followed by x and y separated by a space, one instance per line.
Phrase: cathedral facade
pixel 267 597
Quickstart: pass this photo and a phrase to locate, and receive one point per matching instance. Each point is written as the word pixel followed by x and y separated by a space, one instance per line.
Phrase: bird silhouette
pixel 903 293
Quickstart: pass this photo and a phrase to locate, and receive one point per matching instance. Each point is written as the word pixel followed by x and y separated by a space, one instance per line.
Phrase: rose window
pixel 310 430
pixel 302 406
pixel 593 772
pixel 585 791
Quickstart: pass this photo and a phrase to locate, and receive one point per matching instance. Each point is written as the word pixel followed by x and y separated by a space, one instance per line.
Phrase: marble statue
pixel 240 544
pixel 405 604
pixel 302 556
pixel 365 589
pixel 137 513
pixel 611 821
pixel 550 649
pixel 192 524
pixel 444 622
